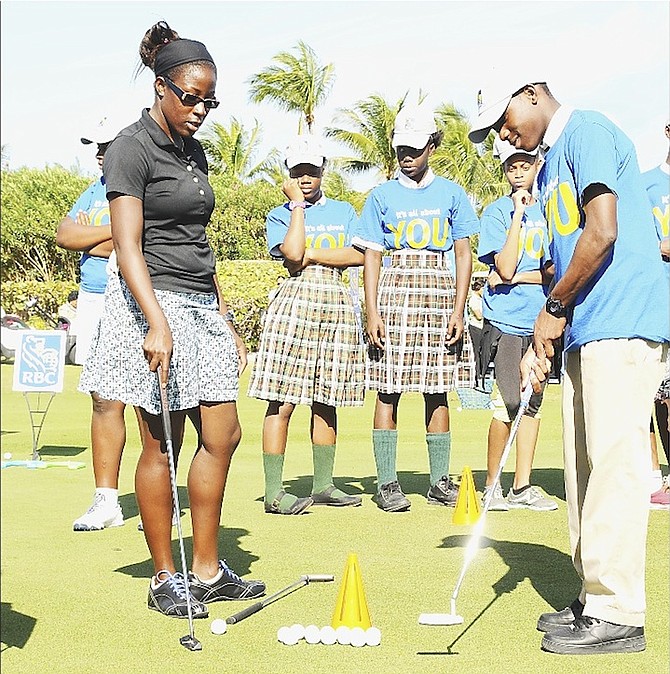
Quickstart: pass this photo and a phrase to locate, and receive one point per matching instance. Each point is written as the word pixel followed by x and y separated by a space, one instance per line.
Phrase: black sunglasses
pixel 191 100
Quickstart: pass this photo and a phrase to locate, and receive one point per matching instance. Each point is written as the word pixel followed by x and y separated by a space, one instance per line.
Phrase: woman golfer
pixel 310 350
pixel 415 308
pixel 163 310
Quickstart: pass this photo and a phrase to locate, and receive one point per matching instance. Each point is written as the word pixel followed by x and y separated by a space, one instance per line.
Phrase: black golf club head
pixel 190 642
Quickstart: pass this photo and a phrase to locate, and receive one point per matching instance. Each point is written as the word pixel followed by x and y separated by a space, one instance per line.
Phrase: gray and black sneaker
pixel 225 586
pixel 390 498
pixel 443 492
pixel 169 597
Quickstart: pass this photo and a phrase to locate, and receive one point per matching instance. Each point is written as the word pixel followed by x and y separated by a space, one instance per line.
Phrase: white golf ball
pixel 328 635
pixel 459 409
pixel 312 634
pixel 218 626
pixel 357 637
pixel 8 455
pixel 343 635
pixel 298 630
pixel 287 636
pixel 373 636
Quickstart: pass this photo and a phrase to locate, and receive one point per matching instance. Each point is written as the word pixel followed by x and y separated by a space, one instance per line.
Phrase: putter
pixel 473 544
pixel 188 641
pixel 258 606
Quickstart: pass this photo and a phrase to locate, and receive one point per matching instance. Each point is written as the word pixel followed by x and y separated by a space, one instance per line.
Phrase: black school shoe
pixel 549 621
pixel 227 587
pixel 587 636
pixel 443 492
pixel 169 597
pixel 391 499
pixel 329 497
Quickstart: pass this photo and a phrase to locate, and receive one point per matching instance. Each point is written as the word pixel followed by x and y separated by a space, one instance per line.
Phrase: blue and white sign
pixel 39 363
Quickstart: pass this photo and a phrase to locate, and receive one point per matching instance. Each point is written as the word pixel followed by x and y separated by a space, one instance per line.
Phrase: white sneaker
pixel 498 501
pixel 99 516
pixel 532 499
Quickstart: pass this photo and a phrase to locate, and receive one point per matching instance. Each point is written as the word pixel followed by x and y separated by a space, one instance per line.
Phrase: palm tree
pixel 297 83
pixel 370 129
pixel 457 158
pixel 231 149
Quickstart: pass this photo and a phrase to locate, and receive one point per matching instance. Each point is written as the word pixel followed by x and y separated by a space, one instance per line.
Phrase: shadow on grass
pixel 60 450
pixel 15 627
pixel 7 432
pixel 549 571
pixel 414 482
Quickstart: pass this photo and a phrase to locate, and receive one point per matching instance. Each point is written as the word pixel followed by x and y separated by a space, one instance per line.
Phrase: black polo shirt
pixel 178 201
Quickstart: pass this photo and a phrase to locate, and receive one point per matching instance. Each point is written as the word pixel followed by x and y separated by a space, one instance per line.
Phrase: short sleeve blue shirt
pixel 328 224
pixel 657 182
pixel 429 218
pixel 513 308
pixel 91 268
pixel 620 300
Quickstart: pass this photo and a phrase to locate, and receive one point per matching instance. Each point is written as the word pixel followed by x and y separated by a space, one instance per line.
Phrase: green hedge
pixel 245 286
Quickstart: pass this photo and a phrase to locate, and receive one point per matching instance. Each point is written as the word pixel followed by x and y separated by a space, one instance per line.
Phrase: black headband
pixel 178 52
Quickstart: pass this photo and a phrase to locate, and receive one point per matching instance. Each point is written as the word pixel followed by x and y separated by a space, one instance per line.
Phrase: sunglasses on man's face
pixel 191 100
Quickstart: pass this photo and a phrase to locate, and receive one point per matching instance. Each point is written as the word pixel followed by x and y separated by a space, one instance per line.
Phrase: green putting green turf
pixel 76 602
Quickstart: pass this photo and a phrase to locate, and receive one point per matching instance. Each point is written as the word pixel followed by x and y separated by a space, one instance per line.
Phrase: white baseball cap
pixel 494 97
pixel 504 150
pixel 305 149
pixel 105 131
pixel 414 125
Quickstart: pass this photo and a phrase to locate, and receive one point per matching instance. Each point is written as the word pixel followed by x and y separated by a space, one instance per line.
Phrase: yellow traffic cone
pixel 467 503
pixel 351 609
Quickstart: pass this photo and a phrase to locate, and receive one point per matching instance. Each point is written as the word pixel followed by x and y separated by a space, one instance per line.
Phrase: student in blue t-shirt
pixel 513 242
pixel 87 229
pixel 657 184
pixel 605 299
pixel 310 351
pixel 415 305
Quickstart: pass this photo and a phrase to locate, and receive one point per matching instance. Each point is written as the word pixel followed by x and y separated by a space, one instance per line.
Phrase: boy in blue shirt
pixel 513 242
pixel 607 270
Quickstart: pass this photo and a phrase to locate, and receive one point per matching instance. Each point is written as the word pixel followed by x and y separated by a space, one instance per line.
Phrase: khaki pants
pixel 608 393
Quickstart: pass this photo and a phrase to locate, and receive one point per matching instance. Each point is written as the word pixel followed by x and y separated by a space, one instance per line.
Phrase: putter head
pixel 190 642
pixel 440 619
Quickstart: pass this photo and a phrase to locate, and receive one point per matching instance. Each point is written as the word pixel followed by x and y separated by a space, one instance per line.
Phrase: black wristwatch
pixel 555 308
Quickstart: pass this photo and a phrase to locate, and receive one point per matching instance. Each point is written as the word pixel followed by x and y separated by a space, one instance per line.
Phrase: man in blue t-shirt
pixel 607 267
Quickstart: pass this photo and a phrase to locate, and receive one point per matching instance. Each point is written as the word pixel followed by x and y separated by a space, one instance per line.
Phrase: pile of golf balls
pixel 347 636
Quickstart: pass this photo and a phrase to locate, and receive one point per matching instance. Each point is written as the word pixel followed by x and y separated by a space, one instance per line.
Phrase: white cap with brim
pixel 504 150
pixel 414 125
pixel 494 98
pixel 105 131
pixel 305 149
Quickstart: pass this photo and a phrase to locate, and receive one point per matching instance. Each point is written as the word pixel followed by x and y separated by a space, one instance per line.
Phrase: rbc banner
pixel 39 364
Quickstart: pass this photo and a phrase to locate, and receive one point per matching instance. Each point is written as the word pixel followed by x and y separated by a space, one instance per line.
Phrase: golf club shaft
pixel 255 608
pixel 167 432
pixel 473 543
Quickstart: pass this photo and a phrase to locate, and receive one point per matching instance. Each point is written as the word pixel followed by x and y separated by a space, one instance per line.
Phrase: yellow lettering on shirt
pixel 556 225
pixel 663 218
pixel 324 241
pixel 98 215
pixel 418 233
pixel 532 243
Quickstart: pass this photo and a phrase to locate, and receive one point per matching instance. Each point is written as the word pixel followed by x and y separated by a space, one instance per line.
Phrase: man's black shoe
pixel 390 498
pixel 548 621
pixel 227 586
pixel 587 636
pixel 443 492
pixel 169 597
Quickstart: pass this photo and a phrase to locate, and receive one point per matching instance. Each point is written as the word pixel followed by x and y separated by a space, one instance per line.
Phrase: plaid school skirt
pixel 310 348
pixel 204 362
pixel 416 299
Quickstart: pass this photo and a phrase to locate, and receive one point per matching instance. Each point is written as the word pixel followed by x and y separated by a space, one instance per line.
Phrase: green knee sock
pixel 324 462
pixel 439 450
pixel 384 445
pixel 273 467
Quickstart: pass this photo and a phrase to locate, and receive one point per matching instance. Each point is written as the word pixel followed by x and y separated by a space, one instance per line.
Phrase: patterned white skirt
pixel 204 362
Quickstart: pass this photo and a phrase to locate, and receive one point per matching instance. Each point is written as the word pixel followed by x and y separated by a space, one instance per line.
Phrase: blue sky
pixel 66 64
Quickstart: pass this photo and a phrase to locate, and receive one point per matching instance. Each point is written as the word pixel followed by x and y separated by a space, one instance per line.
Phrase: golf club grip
pixel 245 613
pixel 319 577
pixel 165 408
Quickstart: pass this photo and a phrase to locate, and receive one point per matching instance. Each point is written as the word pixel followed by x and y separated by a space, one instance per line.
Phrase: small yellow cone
pixel 467 503
pixel 351 609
